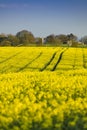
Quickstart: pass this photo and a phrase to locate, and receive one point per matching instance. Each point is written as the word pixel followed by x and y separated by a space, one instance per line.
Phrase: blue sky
pixel 44 17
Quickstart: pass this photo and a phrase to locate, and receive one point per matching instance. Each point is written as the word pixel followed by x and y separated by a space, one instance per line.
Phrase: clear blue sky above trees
pixel 44 17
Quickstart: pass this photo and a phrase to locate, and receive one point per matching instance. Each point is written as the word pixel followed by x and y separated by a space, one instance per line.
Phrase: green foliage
pixel 25 37
pixel 50 39
pixel 39 41
pixel 13 39
pixel 5 43
pixel 62 38
pixel 72 37
pixel 84 39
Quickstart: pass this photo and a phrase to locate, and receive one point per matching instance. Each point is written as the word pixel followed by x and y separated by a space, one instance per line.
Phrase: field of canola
pixel 43 88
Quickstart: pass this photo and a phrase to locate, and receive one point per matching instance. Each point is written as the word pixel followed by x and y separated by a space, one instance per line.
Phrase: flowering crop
pixel 41 58
pixel 31 99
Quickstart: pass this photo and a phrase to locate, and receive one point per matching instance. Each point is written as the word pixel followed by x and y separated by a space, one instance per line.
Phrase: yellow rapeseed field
pixel 43 88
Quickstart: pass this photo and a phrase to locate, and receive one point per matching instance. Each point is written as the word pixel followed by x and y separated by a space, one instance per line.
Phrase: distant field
pixel 42 59
pixel 43 88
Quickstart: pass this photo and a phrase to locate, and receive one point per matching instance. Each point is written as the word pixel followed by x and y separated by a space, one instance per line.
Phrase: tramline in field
pixel 42 59
pixel 43 88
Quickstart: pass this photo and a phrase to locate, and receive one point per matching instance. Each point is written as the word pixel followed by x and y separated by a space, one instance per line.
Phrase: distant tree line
pixel 26 38
pixel 22 38
pixel 60 39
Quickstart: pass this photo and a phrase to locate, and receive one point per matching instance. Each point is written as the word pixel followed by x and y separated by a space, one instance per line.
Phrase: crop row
pixel 71 59
pixel 40 59
pixel 25 59
pixel 19 61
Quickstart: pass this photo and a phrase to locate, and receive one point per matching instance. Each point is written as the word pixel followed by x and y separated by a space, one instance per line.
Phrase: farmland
pixel 43 88
pixel 42 59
